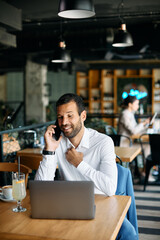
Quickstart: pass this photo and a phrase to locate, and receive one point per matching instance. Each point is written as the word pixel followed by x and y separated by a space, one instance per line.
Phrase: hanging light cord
pixel 61 42
pixel 121 8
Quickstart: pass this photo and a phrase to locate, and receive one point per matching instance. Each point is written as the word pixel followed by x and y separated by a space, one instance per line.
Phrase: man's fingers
pixel 51 128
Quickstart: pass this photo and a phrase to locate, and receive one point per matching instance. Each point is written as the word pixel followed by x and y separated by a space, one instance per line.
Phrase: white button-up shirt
pixel 98 165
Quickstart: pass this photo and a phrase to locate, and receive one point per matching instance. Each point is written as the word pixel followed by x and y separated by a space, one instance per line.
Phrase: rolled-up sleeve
pixel 47 168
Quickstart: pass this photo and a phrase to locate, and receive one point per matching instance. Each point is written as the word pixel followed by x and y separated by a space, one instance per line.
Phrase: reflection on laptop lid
pixel 62 199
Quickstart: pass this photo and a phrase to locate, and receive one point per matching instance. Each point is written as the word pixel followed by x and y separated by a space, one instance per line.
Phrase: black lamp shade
pixel 76 9
pixel 122 39
pixel 61 56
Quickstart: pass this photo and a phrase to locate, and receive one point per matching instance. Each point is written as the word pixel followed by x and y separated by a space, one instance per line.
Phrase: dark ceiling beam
pixel 145 63
pixel 110 20
pixel 10 17
pixel 10 20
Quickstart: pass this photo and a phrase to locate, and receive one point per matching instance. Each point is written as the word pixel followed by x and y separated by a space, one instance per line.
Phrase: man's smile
pixel 65 129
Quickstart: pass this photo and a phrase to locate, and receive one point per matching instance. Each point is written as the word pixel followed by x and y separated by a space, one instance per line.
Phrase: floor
pixel 148 211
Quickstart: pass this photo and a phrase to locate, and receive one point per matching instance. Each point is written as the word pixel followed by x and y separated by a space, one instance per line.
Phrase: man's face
pixel 69 120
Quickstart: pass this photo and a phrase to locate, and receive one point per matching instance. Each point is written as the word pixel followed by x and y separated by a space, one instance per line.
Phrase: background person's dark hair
pixel 71 97
pixel 127 100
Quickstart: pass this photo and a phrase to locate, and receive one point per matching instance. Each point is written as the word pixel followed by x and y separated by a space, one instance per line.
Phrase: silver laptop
pixel 62 199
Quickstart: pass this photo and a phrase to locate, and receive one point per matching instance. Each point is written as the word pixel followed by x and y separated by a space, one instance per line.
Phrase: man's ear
pixel 83 115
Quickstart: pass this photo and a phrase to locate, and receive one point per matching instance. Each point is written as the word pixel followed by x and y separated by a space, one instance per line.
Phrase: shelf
pixel 83 88
pixel 95 88
pixel 102 84
pixel 95 101
pixel 83 77
pixel 108 101
pixel 134 76
pixel 108 76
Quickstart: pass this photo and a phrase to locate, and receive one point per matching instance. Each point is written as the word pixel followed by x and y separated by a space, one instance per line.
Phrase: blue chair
pixel 125 187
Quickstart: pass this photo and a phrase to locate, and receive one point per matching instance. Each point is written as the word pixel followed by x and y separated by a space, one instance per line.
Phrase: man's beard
pixel 75 130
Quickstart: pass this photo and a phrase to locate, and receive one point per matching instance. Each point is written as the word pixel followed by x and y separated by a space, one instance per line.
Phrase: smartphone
pixel 57 130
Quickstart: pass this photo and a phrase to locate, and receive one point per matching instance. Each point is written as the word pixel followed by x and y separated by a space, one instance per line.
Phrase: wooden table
pixel 32 152
pixel 110 213
pixel 127 154
pixel 145 138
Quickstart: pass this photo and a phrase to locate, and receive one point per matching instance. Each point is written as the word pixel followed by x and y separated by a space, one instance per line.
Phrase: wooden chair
pixel 31 161
pixel 13 167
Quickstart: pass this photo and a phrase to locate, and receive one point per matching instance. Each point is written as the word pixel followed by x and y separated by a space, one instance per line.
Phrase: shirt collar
pixel 84 141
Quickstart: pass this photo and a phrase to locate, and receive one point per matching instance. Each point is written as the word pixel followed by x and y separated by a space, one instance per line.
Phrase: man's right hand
pixel 50 143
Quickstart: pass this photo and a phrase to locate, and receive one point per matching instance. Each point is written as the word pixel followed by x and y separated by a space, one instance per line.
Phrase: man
pixel 81 153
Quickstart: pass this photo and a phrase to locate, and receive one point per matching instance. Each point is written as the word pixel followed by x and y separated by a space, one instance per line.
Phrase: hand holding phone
pixel 57 130
pixel 52 138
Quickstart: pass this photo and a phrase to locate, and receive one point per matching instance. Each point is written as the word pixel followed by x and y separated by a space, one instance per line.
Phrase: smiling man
pixel 80 153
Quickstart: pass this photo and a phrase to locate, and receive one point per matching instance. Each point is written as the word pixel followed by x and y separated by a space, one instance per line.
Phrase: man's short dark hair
pixel 71 97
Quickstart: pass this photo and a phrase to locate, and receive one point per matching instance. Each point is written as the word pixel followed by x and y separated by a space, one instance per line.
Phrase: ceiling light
pixel 61 55
pixel 122 38
pixel 76 9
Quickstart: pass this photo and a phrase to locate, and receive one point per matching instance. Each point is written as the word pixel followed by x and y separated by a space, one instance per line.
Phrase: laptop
pixel 62 199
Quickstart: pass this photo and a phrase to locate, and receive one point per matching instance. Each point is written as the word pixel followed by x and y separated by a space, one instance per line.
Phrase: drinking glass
pixel 18 190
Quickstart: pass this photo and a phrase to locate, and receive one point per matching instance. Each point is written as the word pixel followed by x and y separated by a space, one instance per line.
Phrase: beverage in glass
pixel 18 190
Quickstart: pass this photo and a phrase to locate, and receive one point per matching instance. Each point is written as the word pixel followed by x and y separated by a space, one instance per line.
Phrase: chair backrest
pixel 118 159
pixel 117 139
pixel 142 140
pixel 110 130
pixel 13 167
pixel 30 161
pixel 125 187
pixel 154 140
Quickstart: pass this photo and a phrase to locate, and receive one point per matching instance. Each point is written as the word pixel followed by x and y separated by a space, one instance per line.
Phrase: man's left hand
pixel 74 157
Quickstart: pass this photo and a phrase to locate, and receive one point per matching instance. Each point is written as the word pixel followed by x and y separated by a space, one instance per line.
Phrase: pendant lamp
pixel 76 9
pixel 61 55
pixel 122 38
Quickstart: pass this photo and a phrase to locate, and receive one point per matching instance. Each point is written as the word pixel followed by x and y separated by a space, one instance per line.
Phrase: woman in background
pixel 127 123
pixel 128 126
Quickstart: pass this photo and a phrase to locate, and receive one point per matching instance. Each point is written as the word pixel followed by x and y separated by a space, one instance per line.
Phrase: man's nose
pixel 64 121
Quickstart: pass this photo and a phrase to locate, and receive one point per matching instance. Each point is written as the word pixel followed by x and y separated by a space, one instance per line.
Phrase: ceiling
pixel 86 39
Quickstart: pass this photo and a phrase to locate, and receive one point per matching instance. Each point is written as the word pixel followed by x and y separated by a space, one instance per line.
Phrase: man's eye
pixel 70 116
